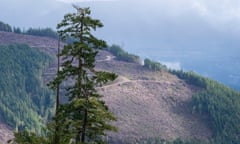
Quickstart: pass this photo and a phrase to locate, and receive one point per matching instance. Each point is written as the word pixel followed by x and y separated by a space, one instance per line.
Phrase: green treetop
pixel 85 118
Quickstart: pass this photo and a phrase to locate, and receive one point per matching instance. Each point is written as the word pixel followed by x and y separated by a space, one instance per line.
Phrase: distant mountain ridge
pixel 48 45
pixel 149 104
pixel 136 77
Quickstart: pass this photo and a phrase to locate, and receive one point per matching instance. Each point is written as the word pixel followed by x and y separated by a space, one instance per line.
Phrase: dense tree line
pixel 152 65
pixel 123 55
pixel 5 27
pixel 45 32
pixel 191 78
pixel 24 102
pixel 220 103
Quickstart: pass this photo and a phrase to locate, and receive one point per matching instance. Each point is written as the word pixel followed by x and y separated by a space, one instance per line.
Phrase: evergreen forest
pixel 25 103
pixel 35 112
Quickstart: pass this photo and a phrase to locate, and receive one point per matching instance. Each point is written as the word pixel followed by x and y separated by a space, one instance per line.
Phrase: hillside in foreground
pixel 153 104
pixel 6 133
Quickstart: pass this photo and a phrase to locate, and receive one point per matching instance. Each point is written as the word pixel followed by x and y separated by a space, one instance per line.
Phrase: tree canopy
pixel 85 117
pixel 5 27
pixel 24 102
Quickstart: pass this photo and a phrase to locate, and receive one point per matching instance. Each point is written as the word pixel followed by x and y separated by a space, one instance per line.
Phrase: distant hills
pixel 152 105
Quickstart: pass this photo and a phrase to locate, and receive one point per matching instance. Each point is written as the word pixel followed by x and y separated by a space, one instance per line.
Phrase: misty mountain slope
pixel 151 104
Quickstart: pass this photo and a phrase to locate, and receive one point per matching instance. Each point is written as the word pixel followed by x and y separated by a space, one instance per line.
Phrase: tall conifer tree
pixel 85 117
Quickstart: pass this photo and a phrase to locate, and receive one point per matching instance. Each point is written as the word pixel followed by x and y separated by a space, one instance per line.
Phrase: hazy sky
pixel 199 35
pixel 135 24
pixel 214 12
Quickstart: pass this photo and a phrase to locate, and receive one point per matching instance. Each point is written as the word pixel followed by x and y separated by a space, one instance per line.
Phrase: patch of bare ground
pixel 45 44
pixel 5 134
pixel 148 109
pixel 151 104
pixel 147 104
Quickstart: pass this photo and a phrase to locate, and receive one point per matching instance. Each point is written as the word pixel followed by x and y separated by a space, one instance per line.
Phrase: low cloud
pixel 84 1
pixel 172 65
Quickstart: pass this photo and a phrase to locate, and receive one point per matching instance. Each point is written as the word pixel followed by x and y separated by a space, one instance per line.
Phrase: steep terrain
pixel 6 133
pixel 151 104
pixel 148 104
pixel 25 103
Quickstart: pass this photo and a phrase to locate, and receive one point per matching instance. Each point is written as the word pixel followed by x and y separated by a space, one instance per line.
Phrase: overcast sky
pixel 215 12
pixel 199 35
pixel 135 24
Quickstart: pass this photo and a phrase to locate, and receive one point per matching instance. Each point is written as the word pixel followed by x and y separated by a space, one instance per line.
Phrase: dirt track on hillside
pixel 150 105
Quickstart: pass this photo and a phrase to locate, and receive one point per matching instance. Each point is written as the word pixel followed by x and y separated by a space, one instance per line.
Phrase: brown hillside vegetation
pixel 147 104
pixel 5 133
pixel 151 104
pixel 45 44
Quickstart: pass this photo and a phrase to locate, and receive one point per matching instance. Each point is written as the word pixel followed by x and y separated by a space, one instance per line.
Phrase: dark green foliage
pixel 123 55
pixel 28 138
pixel 5 27
pixel 220 103
pixel 85 117
pixel 191 78
pixel 24 102
pixel 45 32
pixel 17 30
pixel 152 65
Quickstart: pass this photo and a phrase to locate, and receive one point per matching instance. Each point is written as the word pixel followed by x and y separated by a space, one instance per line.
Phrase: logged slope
pixel 148 104
pixel 6 133
pixel 45 44
pixel 151 104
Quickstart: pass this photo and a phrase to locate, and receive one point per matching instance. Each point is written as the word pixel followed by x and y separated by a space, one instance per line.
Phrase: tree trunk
pixel 56 135
pixel 84 126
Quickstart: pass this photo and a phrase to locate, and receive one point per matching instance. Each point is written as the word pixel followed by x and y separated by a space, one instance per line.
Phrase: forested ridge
pixel 220 103
pixel 44 32
pixel 25 103
pixel 21 82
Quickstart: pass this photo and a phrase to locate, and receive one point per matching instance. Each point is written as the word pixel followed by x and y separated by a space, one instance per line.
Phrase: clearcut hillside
pixel 148 104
